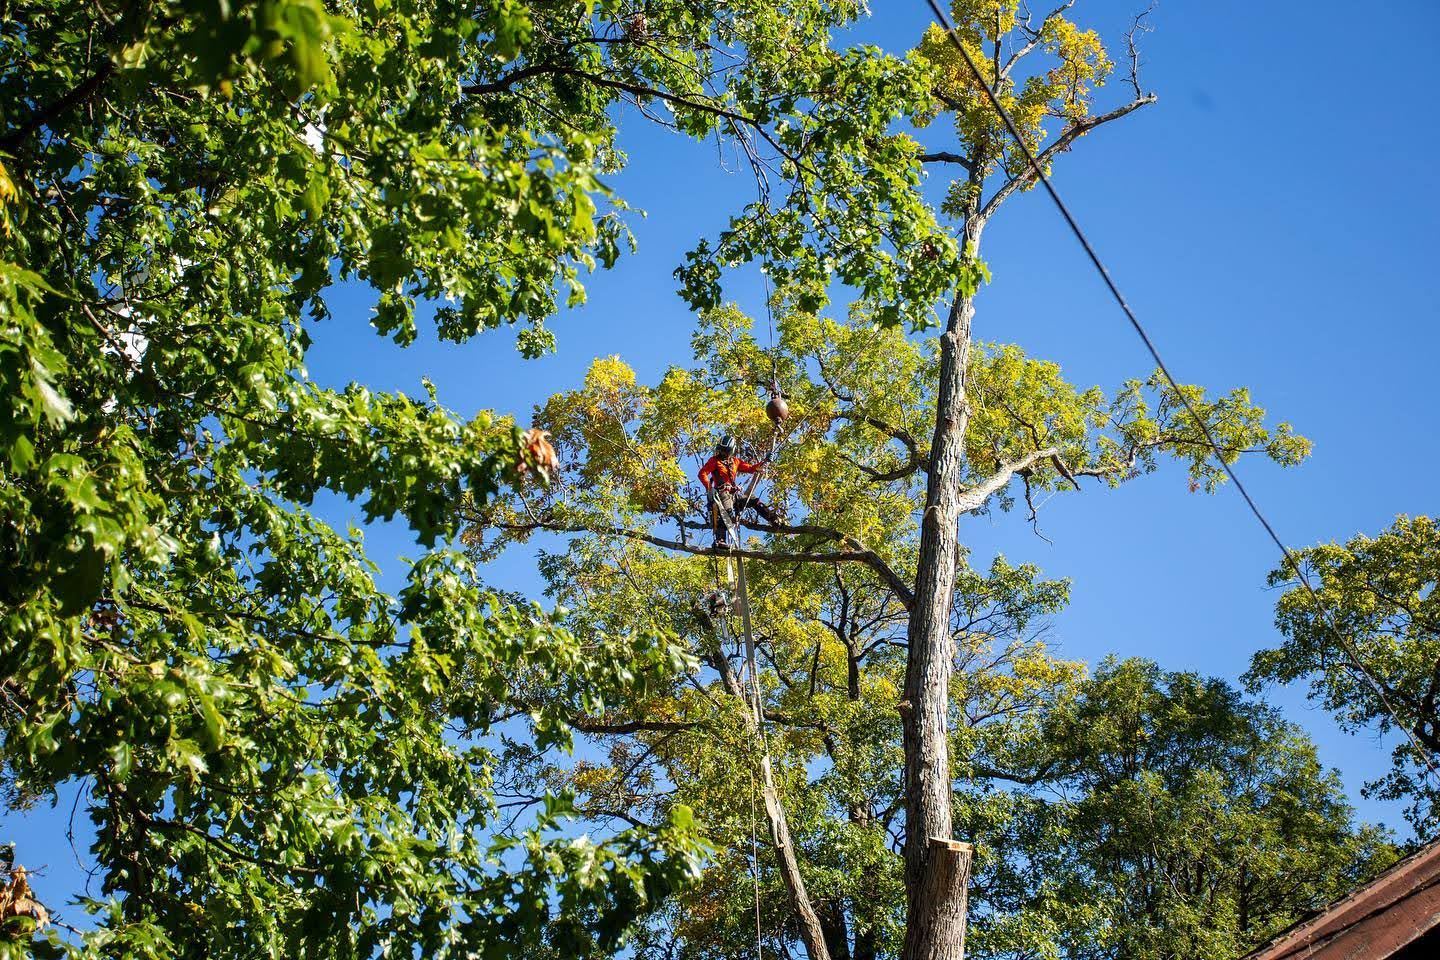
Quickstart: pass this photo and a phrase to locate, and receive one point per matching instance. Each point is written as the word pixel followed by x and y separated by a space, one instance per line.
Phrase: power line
pixel 1350 651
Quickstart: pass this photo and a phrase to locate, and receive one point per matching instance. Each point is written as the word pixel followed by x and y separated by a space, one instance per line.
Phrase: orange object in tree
pixel 722 473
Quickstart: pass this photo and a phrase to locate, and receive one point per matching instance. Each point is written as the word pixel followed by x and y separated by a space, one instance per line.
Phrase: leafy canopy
pixel 1154 814
pixel 278 756
pixel 829 592
pixel 1379 594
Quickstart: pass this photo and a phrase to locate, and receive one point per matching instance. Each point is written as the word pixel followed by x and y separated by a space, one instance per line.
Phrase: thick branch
pixel 860 555
pixel 1040 775
pixel 975 497
pixel 945 156
pixel 811 932
pixel 631 726
pixel 915 459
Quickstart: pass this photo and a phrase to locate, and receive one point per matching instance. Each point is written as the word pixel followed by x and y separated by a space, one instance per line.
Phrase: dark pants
pixel 728 503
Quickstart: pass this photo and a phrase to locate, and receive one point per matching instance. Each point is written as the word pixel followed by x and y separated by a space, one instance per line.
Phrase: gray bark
pixel 937 868
pixel 812 932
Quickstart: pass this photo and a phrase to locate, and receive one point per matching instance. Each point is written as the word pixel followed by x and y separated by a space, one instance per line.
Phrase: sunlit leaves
pixel 1003 39
pixel 1151 814
pixel 1373 620
pixel 280 754
pixel 848 470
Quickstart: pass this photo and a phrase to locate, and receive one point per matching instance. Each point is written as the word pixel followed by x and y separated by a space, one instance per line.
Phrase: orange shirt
pixel 722 473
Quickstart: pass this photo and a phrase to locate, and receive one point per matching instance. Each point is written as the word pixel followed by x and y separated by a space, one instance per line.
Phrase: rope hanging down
pixel 731 520
pixel 777 410
pixel 1291 561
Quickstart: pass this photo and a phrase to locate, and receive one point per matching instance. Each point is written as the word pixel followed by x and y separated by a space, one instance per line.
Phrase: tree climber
pixel 718 477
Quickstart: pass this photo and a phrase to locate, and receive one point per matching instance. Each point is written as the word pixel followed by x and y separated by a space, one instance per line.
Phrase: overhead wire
pixel 1291 560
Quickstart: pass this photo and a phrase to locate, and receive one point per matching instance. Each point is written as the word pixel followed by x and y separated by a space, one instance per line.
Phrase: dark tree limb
pixel 58 107
pixel 505 83
pixel 946 156
pixel 915 460
pixel 585 725
pixel 861 554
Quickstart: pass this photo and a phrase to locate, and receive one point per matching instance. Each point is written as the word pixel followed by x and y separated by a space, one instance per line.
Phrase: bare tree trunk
pixel 937 869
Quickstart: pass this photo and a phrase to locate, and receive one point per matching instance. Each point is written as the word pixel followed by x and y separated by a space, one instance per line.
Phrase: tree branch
pixel 916 461
pixel 52 111
pixel 1070 134
pixel 503 84
pixel 861 555
pixel 631 726
pixel 945 156
pixel 1133 45
pixel 975 497
pixel 1036 35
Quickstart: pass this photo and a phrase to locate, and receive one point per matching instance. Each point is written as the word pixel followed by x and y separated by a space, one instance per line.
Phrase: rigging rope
pixel 1291 561
pixel 755 867
pixel 731 519
pixel 770 326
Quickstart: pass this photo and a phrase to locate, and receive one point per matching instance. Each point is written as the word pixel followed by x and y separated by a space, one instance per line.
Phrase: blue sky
pixel 1272 219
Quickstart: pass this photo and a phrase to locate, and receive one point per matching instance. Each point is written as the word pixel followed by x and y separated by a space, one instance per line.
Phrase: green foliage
pixel 854 213
pixel 1153 815
pixel 1379 595
pixel 848 474
pixel 279 757
pixel 851 456
pixel 282 759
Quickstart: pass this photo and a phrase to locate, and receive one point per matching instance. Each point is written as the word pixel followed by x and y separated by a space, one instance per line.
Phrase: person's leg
pixel 766 512
pixel 724 515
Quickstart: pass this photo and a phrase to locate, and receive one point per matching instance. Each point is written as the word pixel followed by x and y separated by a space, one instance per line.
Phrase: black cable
pixel 1139 328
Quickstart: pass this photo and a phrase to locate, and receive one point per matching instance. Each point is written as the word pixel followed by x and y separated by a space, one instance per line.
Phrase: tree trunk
pixel 866 947
pixel 837 931
pixel 937 869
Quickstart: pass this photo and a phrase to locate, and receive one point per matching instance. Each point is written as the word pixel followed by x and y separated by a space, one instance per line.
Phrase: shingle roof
pixel 1372 922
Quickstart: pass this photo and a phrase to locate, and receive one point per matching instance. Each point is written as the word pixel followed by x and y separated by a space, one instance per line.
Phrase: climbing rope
pixel 729 515
pixel 755 868
pixel 750 681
